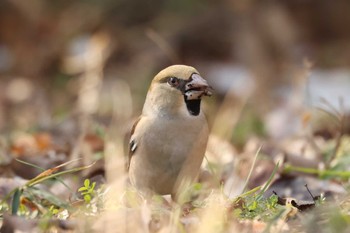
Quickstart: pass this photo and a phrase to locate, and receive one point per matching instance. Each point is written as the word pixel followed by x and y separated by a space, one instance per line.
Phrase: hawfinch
pixel 168 141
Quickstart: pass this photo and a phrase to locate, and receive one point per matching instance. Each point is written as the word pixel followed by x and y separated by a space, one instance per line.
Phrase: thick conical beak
pixel 197 87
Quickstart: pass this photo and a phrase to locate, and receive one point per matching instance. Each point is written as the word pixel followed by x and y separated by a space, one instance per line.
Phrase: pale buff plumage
pixel 169 139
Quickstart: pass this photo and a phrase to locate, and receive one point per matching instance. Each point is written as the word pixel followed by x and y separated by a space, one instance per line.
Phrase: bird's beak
pixel 197 87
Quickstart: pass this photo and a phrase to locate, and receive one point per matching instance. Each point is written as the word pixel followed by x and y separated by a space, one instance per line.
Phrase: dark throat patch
pixel 193 106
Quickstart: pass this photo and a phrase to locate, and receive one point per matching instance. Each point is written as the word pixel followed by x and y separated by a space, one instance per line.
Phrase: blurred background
pixel 74 76
pixel 64 63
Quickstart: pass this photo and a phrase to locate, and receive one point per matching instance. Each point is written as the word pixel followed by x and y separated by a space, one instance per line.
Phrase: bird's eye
pixel 173 81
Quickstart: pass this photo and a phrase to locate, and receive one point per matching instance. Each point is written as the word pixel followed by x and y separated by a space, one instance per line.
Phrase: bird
pixel 168 141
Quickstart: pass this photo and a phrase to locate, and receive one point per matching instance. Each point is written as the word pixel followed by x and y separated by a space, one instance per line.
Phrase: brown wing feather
pixel 132 144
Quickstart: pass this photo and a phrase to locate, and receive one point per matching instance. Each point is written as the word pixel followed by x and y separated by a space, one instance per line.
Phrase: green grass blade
pixel 43 169
pixel 42 194
pixel 320 173
pixel 30 164
pixel 251 169
pixel 43 178
pixel 16 201
pixel 249 192
pixel 268 183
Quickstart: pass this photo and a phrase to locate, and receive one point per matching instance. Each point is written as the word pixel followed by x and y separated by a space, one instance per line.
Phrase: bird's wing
pixel 132 143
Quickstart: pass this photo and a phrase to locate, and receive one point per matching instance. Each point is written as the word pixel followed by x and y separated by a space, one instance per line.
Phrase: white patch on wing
pixel 133 145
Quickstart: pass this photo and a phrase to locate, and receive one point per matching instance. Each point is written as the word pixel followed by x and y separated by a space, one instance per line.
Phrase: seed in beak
pixel 197 87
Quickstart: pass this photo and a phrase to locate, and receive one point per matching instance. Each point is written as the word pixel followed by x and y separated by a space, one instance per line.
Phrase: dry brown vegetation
pixel 74 75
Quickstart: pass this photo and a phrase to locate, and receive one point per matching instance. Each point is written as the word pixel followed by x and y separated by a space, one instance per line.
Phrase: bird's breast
pixel 175 139
pixel 166 147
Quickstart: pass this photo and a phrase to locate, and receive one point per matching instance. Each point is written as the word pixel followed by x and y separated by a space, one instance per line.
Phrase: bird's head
pixel 175 87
